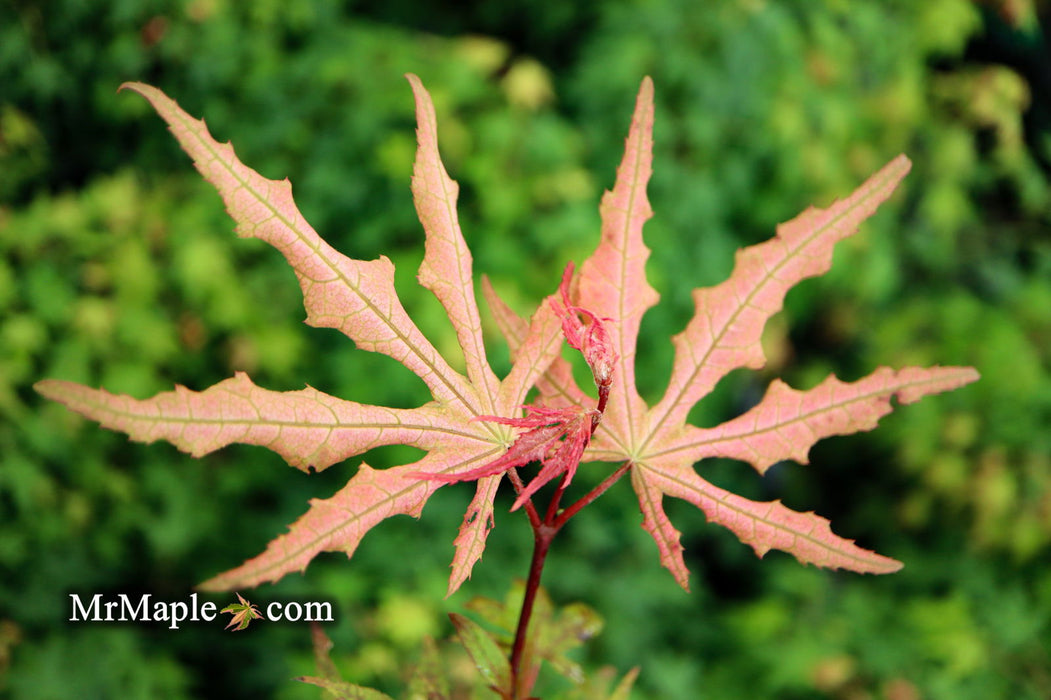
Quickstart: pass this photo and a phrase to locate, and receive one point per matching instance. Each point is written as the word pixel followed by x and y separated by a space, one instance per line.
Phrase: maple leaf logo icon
pixel 243 613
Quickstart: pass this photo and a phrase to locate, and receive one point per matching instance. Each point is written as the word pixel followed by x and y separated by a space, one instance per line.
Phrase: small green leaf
pixel 575 624
pixel 488 658
pixel 429 679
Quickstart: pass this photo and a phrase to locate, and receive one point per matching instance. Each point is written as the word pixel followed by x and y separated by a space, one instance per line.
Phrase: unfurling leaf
pixel 557 438
pixel 587 333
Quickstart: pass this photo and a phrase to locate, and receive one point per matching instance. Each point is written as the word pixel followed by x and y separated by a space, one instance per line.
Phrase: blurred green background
pixel 120 269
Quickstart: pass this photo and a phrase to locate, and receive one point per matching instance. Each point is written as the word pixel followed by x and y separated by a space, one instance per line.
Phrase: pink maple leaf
pixel 724 334
pixel 472 429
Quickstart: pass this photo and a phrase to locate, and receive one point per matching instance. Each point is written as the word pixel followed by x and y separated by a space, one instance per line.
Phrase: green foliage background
pixel 119 269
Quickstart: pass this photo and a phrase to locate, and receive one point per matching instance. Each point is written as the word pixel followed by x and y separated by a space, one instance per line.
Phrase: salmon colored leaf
pixel 309 428
pixel 723 335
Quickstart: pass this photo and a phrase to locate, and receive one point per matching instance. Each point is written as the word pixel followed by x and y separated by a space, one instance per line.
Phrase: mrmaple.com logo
pixel 125 608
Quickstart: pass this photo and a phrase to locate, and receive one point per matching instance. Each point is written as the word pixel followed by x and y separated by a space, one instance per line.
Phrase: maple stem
pixel 542 537
pixel 592 495
pixel 516 481
pixel 543 533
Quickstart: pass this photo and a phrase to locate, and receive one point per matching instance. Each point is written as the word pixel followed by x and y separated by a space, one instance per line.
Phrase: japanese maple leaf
pixel 469 429
pixel 723 335
pixel 313 429
pixel 242 614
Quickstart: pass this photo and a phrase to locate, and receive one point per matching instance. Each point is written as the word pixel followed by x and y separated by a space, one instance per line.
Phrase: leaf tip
pixel 877 564
pixel 59 390
pixel 416 84
pixel 46 387
pixel 895 171
pixel 141 88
